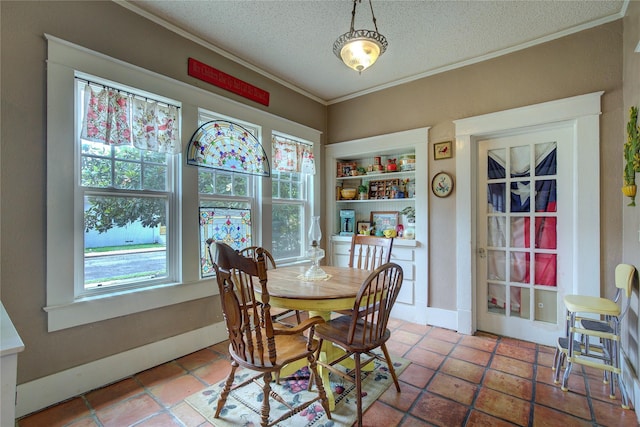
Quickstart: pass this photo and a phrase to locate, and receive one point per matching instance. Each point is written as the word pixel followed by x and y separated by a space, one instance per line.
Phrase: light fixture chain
pixel 373 15
pixel 353 15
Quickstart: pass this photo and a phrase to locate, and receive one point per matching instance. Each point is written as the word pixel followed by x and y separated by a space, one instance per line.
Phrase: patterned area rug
pixel 243 405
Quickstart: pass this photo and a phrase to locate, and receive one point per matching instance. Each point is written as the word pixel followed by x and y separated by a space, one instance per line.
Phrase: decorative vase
pixel 630 191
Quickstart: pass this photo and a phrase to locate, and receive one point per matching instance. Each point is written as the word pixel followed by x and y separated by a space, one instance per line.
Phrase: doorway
pixel 527 211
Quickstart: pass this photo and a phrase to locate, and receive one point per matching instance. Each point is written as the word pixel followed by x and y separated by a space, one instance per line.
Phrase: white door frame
pixel 583 113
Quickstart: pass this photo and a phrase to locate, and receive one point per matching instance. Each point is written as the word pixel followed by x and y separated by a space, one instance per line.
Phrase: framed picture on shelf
pixel 442 150
pixel 381 220
pixel 364 227
pixel 345 168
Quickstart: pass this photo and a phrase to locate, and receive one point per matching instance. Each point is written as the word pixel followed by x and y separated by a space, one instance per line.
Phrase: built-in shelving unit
pixel 411 254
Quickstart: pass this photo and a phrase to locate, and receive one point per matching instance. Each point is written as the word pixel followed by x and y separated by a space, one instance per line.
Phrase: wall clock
pixel 442 184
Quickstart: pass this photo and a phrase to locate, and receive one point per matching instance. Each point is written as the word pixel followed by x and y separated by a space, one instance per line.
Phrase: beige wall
pixel 578 64
pixel 586 62
pixel 110 29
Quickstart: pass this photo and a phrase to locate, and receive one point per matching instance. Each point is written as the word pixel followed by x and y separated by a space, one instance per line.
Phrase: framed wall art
pixel 345 168
pixel 383 220
pixel 442 184
pixel 442 150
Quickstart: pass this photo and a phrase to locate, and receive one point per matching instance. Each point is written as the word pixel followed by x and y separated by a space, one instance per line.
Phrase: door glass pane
pixel 519 267
pixel 546 195
pixel 546 236
pixel 520 232
pixel 495 164
pixel 496 231
pixel 546 306
pixel 519 302
pixel 520 161
pixel 546 267
pixel 496 300
pixel 546 158
pixel 520 192
pixel 496 197
pixel 496 265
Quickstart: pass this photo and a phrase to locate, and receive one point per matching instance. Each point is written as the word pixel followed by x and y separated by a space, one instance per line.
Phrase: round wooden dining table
pixel 289 289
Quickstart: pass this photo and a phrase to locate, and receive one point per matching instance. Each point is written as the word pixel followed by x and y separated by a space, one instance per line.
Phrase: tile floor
pixel 454 380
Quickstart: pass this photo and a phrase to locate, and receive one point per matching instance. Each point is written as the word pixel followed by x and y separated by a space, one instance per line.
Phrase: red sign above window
pixel 208 74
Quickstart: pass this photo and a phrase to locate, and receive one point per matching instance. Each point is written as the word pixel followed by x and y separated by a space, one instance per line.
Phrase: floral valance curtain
pixel 113 117
pixel 292 156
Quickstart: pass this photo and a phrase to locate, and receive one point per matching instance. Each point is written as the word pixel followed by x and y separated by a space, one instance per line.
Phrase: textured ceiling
pixel 292 40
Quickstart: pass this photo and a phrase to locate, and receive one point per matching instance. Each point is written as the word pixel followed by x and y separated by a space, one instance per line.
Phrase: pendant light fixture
pixel 359 49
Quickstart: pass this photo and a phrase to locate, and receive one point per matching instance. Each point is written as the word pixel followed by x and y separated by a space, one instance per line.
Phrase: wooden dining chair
pixel 366 330
pixel 369 252
pixel 277 314
pixel 254 343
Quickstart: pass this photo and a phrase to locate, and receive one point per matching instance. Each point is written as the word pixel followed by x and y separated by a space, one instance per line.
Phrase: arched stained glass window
pixel 224 145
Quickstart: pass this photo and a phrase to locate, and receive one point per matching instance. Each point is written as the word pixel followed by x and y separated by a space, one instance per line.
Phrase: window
pixel 226 198
pixel 86 178
pixel 127 194
pixel 292 181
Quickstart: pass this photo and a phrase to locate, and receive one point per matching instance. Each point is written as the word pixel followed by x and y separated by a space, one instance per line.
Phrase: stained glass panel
pixel 223 145
pixel 231 226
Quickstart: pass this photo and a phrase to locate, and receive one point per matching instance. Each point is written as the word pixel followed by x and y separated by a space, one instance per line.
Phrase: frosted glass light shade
pixel 360 54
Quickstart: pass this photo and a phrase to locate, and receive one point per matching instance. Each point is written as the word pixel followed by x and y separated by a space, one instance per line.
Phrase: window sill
pixel 102 307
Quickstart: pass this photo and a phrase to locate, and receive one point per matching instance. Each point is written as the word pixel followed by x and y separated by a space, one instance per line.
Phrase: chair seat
pixel 290 348
pixel 336 330
pixel 589 304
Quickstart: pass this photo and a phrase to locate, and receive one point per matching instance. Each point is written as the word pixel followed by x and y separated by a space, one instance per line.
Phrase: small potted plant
pixel 631 156
pixel 362 191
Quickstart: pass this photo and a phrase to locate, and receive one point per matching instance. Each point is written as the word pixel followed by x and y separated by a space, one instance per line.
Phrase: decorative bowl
pixel 348 193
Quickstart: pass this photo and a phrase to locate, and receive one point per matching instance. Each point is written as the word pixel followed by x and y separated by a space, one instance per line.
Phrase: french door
pixel 524 232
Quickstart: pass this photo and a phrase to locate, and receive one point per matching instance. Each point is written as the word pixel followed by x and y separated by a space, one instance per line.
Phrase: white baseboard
pixel 447 319
pixel 47 391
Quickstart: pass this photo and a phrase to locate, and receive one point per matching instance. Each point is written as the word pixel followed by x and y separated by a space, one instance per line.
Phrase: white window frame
pixel 306 202
pixel 173 168
pixel 63 309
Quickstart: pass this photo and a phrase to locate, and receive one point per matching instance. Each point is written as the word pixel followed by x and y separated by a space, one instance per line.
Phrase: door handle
pixel 482 253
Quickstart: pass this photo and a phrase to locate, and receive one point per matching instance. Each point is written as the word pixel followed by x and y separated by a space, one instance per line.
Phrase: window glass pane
pixel 126 152
pixel 495 165
pixel 231 226
pixel 546 195
pixel 240 185
pixel 205 182
pixel 155 177
pixel 496 265
pixel 223 184
pixel 496 197
pixel 95 148
pixel 496 231
pixel 546 163
pixel 96 172
pixel 125 240
pixel 128 175
pixel 546 267
pixel 520 192
pixel 520 232
pixel 520 158
pixel 288 226
pixel 519 267
pixel 496 300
